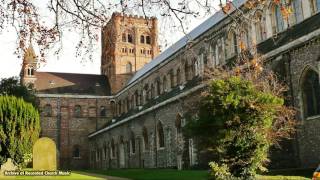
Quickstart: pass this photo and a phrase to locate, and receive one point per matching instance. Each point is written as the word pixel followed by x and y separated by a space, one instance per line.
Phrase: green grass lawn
pixel 171 174
pixel 73 176
pixel 154 174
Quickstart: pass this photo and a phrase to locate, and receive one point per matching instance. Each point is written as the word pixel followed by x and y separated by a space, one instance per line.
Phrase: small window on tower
pixel 142 39
pixel 30 71
pixel 148 39
pixel 130 38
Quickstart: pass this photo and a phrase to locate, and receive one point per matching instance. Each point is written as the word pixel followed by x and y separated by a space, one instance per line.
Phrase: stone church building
pixel 132 115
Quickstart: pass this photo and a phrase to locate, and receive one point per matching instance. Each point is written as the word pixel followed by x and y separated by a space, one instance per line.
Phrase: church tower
pixel 29 67
pixel 128 43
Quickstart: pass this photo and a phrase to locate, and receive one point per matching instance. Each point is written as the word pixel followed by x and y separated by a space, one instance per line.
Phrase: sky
pixel 66 61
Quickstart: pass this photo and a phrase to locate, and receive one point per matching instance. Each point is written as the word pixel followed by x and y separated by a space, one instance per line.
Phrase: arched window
pixel 186 71
pixel 152 91
pixel 47 110
pixel 178 124
pixel 113 108
pixel 105 151
pixel 213 53
pixel 124 37
pixel 244 36
pixel 260 26
pixel 103 111
pixel 160 135
pixel 148 39
pixel 133 143
pixel 297 9
pixel 113 149
pixel 77 111
pixel 76 151
pixel 164 84
pixel 311 93
pixel 158 86
pixel 30 71
pixel 129 67
pixel 136 98
pixel 127 104
pixel 192 69
pixel 178 76
pixel 146 93
pixel 232 42
pixel 171 78
pixel 277 19
pixel 145 138
pixel 142 39
pixel 120 107
pixel 130 38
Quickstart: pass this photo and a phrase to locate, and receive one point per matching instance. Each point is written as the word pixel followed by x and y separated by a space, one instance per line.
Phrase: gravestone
pixel 8 166
pixel 44 155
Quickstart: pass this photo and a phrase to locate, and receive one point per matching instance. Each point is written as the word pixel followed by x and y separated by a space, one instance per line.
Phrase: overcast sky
pixel 66 61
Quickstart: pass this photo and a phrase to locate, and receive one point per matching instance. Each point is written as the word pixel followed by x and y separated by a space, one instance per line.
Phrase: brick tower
pixel 29 67
pixel 128 43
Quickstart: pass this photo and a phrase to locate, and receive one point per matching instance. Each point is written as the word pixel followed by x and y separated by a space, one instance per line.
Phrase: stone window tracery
pixel 277 19
pixel 260 26
pixel 297 10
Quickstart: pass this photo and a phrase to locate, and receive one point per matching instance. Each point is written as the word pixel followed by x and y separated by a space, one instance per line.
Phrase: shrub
pixel 19 128
pixel 238 120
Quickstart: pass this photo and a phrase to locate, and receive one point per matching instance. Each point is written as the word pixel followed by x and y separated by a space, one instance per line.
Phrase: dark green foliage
pixel 234 124
pixel 12 87
pixel 19 128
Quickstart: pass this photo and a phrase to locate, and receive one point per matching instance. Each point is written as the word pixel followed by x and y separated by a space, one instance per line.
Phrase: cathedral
pixel 132 114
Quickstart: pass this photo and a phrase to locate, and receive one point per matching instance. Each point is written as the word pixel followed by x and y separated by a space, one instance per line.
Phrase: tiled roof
pixel 199 30
pixel 69 83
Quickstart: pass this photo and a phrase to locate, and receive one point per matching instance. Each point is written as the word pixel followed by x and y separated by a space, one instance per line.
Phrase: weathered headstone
pixel 44 155
pixel 8 166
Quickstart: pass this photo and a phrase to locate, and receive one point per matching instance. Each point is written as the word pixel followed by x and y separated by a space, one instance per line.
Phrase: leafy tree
pixel 19 128
pixel 241 114
pixel 87 17
pixel 12 87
